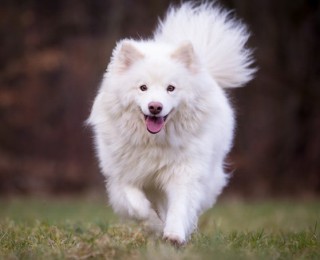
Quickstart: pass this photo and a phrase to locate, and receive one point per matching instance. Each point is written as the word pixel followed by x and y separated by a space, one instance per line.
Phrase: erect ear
pixel 185 54
pixel 127 55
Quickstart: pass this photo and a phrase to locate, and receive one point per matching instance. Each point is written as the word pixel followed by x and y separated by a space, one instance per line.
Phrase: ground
pixel 82 228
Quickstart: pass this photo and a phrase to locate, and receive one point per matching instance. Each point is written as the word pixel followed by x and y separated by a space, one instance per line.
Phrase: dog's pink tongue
pixel 154 124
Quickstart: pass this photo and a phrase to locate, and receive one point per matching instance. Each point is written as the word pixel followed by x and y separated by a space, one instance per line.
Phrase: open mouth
pixel 155 123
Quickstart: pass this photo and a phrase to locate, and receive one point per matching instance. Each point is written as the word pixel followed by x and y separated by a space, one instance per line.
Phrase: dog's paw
pixel 174 240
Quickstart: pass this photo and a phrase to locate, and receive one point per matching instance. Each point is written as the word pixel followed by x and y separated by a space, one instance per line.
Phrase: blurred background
pixel 52 58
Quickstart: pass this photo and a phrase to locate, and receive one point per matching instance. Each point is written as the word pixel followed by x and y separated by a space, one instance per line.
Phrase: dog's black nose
pixel 155 107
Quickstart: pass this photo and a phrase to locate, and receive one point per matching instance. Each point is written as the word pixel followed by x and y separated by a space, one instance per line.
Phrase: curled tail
pixel 218 40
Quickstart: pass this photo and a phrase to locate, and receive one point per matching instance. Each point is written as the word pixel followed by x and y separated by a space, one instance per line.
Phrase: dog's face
pixel 156 81
pixel 156 102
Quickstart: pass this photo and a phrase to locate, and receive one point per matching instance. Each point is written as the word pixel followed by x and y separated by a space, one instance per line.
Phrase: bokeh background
pixel 52 58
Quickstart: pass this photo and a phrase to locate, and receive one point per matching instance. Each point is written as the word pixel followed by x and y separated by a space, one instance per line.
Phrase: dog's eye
pixel 143 88
pixel 170 88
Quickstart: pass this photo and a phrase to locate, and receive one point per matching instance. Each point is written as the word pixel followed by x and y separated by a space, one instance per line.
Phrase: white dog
pixel 162 122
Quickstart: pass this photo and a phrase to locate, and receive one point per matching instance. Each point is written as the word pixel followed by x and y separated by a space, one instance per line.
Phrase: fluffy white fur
pixel 169 178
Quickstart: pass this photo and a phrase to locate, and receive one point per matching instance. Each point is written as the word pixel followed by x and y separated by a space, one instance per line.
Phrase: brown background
pixel 53 55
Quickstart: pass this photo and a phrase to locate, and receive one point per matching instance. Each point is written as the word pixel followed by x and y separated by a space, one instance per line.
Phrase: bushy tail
pixel 218 40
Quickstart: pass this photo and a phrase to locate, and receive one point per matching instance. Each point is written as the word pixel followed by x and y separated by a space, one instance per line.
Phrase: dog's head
pixel 156 78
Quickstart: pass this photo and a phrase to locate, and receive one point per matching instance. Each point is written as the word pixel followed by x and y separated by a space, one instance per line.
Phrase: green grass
pixel 83 229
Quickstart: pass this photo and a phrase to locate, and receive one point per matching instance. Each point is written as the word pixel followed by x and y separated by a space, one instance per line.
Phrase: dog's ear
pixel 127 55
pixel 185 54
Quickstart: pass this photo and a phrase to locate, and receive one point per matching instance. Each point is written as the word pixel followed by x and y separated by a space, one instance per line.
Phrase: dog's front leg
pixel 130 201
pixel 184 199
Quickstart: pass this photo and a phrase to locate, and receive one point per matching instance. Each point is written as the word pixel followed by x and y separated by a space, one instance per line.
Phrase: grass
pixel 84 229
